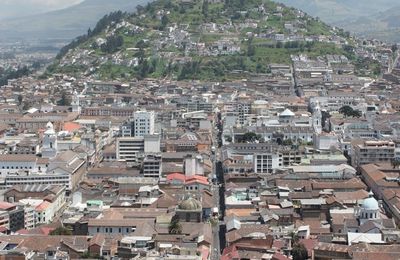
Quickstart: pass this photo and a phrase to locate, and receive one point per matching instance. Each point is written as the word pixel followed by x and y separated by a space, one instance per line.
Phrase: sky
pixel 18 8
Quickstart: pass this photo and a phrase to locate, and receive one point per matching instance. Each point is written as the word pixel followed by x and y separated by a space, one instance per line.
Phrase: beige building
pixel 372 152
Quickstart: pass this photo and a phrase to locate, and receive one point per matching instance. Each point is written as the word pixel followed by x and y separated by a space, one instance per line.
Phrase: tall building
pixel 128 149
pixel 372 152
pixel 133 149
pixel 49 147
pixel 143 123
pixel 151 166
pixel 11 216
pixel 194 165
pixel 317 118
pixel 267 162
pixel 75 103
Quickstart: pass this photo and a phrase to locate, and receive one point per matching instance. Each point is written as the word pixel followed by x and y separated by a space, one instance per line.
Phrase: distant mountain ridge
pixel 383 25
pixel 372 18
pixel 334 11
pixel 65 24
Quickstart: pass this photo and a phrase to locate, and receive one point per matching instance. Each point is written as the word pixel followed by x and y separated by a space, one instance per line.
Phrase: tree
pixel 299 252
pixel 294 237
pixel 204 8
pixel 113 43
pixel 279 45
pixel 251 50
pixel 64 101
pixel 250 137
pixel 356 113
pixel 394 48
pixel 175 226
pixel 287 142
pixel 395 162
pixel 324 116
pixel 346 111
pixel 61 231
pixel 164 22
pixel 20 99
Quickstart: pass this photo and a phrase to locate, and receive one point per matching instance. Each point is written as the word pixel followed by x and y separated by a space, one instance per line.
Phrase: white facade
pixel 194 165
pixel 128 148
pixel 317 118
pixel 15 163
pixel 326 141
pixel 267 162
pixel 143 123
pixel 49 147
pixel 75 103
pixel 30 217
pixel 34 178
pixel 152 143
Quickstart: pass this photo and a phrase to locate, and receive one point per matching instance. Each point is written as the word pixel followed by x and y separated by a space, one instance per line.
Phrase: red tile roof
pixel 5 205
pixel 70 126
pixel 43 206
pixel 176 176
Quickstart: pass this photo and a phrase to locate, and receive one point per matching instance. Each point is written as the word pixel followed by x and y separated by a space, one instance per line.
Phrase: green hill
pixel 188 39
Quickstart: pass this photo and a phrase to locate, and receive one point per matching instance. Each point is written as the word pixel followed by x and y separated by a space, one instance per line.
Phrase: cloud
pixel 44 3
pixel 18 8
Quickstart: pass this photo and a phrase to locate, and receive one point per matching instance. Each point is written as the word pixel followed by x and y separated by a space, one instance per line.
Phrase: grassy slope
pixel 211 68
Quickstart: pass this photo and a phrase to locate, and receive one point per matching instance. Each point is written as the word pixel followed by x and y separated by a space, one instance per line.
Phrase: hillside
pixel 65 24
pixel 184 39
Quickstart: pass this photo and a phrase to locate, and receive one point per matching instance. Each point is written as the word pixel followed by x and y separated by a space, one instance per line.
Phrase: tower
pixel 317 118
pixel 75 103
pixel 49 146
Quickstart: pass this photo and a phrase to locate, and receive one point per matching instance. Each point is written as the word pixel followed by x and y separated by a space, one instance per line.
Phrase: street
pixel 218 190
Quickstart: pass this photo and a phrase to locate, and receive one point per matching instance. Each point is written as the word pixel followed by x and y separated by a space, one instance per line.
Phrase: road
pixel 218 192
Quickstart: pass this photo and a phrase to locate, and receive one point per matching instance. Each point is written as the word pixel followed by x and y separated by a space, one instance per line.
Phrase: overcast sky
pixel 17 8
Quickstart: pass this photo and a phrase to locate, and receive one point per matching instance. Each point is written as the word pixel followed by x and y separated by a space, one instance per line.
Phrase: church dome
pixel 370 204
pixel 190 204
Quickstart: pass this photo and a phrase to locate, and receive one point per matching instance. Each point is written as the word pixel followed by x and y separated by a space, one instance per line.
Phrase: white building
pixel 143 123
pixel 326 141
pixel 131 149
pixel 194 165
pixel 369 210
pixel 128 148
pixel 17 163
pixel 75 103
pixel 317 119
pixel 152 143
pixel 49 147
pixel 267 162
